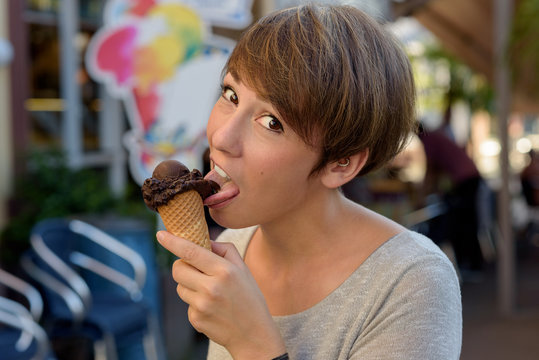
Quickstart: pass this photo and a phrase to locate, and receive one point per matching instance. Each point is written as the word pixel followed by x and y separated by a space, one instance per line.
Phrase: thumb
pixel 227 251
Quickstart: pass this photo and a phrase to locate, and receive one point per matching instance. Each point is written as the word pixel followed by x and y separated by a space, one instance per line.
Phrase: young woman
pixel 312 97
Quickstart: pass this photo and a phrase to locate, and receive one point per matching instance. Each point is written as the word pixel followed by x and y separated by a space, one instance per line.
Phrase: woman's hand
pixel 224 300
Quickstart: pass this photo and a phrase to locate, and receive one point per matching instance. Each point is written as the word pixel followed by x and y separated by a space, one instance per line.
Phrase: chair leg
pixel 105 349
pixel 486 243
pixel 100 350
pixel 153 347
pixel 112 352
pixel 150 347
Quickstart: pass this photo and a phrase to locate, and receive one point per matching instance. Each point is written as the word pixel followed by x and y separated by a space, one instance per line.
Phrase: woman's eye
pixel 271 123
pixel 230 95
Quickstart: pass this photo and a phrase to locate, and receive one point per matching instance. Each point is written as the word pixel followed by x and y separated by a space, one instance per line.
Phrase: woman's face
pixel 262 166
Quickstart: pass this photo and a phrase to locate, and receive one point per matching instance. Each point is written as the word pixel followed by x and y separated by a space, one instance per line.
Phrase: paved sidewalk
pixel 487 334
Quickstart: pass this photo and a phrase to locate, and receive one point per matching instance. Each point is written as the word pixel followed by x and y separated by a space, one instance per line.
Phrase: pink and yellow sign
pixel 160 58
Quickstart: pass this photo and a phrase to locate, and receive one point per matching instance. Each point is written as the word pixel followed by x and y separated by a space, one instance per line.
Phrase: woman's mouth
pixel 229 190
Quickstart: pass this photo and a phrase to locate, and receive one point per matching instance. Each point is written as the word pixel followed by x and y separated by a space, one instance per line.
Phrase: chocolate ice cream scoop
pixel 171 178
pixel 169 168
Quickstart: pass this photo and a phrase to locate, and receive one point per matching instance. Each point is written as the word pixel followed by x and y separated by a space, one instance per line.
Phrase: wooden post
pixel 503 12
pixel 19 79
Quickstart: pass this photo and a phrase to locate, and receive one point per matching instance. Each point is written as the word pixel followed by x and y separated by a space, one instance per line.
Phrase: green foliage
pixel 51 189
pixel 524 47
pixel 464 84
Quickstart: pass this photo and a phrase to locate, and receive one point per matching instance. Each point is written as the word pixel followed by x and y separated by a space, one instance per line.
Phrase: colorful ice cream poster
pixel 161 59
pixel 234 14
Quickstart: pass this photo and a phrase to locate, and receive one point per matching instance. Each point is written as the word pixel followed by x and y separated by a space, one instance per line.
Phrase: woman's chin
pixel 228 220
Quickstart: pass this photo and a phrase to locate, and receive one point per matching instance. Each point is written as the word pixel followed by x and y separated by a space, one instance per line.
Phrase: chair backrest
pixel 57 236
pixel 62 301
pixel 30 293
pixel 47 262
pixel 63 258
pixel 22 332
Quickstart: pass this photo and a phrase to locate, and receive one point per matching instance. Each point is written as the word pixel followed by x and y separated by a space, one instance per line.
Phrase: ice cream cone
pixel 184 216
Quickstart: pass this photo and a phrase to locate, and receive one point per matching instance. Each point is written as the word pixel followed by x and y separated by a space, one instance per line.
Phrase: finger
pixel 187 276
pixel 186 294
pixel 227 251
pixel 195 255
pixel 198 307
pixel 196 319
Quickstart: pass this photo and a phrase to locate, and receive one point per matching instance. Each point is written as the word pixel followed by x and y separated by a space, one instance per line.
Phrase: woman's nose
pixel 225 134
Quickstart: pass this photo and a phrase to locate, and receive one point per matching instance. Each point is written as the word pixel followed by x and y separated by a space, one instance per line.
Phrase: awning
pixel 466 29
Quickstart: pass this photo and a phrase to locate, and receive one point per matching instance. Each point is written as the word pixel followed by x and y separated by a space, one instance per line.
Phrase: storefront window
pixel 90 10
pixel 44 103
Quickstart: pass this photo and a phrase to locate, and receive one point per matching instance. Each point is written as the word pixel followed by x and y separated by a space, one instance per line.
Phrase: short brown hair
pixel 338 78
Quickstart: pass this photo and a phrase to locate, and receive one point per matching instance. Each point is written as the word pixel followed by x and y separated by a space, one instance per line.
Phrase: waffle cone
pixel 183 216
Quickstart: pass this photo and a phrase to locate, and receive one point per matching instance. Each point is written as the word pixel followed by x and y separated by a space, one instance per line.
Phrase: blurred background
pixel 90 101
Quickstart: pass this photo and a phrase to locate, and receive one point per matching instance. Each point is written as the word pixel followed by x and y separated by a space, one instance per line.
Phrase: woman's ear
pixel 338 173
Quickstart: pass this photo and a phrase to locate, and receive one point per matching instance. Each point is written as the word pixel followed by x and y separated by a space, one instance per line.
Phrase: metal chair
pixel 22 338
pixel 64 260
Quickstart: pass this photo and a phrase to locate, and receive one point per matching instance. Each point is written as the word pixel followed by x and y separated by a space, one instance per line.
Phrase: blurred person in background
pixel 529 178
pixel 453 175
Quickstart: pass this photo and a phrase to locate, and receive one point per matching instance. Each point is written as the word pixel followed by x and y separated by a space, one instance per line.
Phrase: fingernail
pixel 159 236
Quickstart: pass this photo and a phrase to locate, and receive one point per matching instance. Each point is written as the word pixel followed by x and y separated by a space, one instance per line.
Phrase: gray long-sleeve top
pixel 403 302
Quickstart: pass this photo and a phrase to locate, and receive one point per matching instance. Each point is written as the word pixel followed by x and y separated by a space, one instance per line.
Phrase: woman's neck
pixel 308 231
pixel 328 230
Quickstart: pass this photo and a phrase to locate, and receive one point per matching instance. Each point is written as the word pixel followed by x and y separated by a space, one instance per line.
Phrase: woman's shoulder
pixel 411 255
pixel 409 246
pixel 412 289
pixel 239 237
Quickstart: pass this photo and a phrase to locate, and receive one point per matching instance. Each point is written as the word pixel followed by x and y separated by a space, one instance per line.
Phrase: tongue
pixel 228 189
